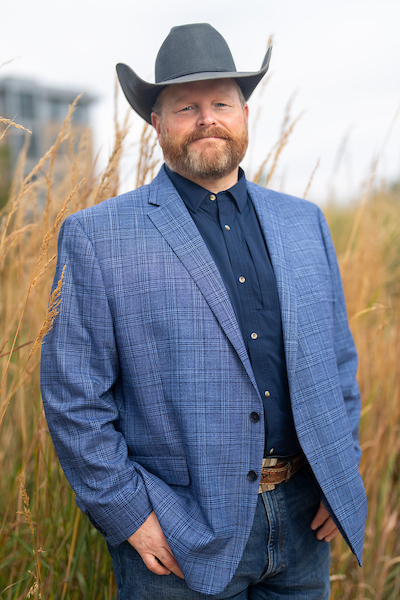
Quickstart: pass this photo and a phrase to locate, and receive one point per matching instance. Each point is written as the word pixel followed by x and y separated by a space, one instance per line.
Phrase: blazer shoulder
pixel 281 201
pixel 135 201
pixel 137 198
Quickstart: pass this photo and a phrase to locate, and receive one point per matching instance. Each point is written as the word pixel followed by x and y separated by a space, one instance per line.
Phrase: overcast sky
pixel 341 60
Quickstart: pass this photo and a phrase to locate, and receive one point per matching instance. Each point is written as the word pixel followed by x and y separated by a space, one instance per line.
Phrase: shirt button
pixel 255 417
pixel 252 476
pixel 254 336
pixel 227 227
pixel 212 197
pixel 267 394
pixel 242 279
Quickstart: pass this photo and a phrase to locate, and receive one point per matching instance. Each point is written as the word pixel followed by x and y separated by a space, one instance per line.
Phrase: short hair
pixel 157 106
pixel 242 99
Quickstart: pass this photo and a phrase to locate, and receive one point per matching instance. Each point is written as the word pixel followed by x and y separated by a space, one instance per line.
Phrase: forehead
pixel 200 89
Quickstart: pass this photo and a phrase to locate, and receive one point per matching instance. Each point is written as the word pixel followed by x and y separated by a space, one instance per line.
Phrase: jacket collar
pixel 194 195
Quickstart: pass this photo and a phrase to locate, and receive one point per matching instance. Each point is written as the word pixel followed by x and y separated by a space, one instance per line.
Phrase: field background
pixel 47 548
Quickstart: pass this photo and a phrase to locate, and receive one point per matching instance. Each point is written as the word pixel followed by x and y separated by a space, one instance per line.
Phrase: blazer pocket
pixel 170 469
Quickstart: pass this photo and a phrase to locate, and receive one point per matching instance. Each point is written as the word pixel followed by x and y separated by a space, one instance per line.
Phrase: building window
pixel 27 105
pixel 80 114
pixel 33 150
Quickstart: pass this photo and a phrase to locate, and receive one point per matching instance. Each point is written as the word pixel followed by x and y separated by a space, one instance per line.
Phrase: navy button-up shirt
pixel 229 226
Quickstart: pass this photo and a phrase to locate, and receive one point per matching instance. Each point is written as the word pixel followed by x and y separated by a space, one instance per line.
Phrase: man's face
pixel 202 128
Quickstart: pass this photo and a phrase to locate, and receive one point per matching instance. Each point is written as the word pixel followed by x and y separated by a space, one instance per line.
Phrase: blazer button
pixel 252 476
pixel 255 417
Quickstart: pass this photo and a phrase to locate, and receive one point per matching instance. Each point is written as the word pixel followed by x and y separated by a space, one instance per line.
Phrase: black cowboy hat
pixel 189 53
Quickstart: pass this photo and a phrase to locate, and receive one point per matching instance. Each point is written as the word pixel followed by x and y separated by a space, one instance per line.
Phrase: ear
pixel 155 121
pixel 246 111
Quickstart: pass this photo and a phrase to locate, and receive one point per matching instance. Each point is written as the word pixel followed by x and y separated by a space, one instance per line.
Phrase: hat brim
pixel 142 95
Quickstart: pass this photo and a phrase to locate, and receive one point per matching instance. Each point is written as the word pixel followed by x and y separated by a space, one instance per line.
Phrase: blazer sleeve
pixel 78 370
pixel 344 347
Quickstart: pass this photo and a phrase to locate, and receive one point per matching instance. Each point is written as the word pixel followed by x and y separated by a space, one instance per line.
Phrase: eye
pixel 185 109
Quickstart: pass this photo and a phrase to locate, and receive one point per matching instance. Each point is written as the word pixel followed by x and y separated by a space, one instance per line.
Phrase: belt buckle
pixel 269 462
pixel 266 487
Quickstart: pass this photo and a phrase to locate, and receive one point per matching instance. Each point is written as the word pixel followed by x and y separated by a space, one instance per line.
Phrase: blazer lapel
pixel 175 224
pixel 273 228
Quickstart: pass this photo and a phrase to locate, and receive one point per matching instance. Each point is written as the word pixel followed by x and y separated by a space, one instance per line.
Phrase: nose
pixel 206 117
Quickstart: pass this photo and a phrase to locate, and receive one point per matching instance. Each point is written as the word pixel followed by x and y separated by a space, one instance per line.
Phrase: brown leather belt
pixel 276 470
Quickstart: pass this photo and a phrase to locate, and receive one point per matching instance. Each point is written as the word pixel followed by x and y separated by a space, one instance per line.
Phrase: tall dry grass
pixel 47 548
pixel 371 275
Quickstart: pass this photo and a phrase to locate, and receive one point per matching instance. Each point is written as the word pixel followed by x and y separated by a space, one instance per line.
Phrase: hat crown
pixel 189 49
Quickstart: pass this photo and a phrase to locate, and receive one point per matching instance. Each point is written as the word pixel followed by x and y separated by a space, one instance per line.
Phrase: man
pixel 199 381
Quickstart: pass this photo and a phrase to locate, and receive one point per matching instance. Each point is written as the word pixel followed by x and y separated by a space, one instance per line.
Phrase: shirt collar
pixel 193 195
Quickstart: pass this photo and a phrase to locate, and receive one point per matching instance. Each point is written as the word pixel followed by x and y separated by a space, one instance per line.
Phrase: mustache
pixel 204 133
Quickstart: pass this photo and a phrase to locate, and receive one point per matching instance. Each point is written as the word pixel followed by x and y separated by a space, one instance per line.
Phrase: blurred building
pixel 42 110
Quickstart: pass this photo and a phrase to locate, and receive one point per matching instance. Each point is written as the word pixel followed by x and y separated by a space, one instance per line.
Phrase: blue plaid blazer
pixel 148 388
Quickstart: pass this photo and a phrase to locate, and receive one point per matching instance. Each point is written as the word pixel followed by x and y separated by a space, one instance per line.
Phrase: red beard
pixel 214 161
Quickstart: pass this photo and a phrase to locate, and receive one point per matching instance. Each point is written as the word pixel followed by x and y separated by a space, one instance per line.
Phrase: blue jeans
pixel 282 558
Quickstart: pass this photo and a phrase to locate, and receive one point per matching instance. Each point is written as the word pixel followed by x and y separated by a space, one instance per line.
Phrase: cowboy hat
pixel 189 53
